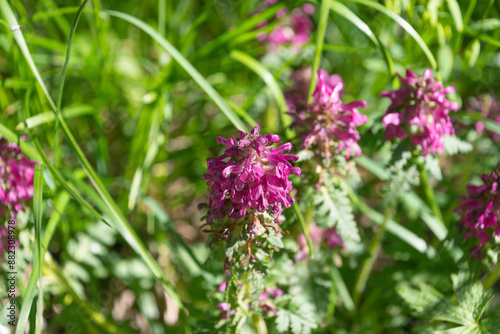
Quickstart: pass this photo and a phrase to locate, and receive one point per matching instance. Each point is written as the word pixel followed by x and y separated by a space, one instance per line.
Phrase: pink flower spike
pixel 251 174
pixel 420 102
pixel 480 211
pixel 326 124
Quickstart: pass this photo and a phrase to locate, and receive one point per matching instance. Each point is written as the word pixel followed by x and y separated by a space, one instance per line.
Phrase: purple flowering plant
pixel 420 110
pixel 356 205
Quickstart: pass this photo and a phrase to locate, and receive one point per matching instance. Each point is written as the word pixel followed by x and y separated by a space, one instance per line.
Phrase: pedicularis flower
pixel 420 109
pixel 251 175
pixel 489 109
pixel 480 211
pixel 294 29
pixel 16 178
pixel 326 123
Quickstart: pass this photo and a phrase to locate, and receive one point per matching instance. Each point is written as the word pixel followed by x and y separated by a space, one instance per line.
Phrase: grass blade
pixel 48 117
pixel 185 64
pixel 320 40
pixel 345 12
pixel 60 205
pixel 118 218
pixel 404 24
pixel 339 283
pixel 456 14
pixel 268 78
pixel 38 215
pixel 62 80
pixel 302 222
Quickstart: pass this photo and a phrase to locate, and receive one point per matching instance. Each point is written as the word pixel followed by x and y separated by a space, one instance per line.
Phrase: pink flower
pixel 480 211
pixel 251 174
pixel 421 104
pixel 318 235
pixel 225 310
pixel 489 109
pixel 16 178
pixel 326 123
pixel 265 299
pixel 294 29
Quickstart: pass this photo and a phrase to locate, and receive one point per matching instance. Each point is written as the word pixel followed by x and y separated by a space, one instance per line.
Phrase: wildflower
pixel 251 176
pixel 318 235
pixel 16 178
pixel 480 211
pixel 294 29
pixel 225 310
pixel 266 297
pixel 326 123
pixel 420 109
pixel 489 109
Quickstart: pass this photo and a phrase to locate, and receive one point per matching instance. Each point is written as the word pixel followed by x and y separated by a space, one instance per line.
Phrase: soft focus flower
pixel 326 123
pixel 294 29
pixel 251 174
pixel 16 178
pixel 318 235
pixel 489 109
pixel 225 310
pixel 480 211
pixel 420 109
pixel 266 297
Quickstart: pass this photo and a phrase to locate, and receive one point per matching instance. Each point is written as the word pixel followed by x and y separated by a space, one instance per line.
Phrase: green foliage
pixel 333 209
pixel 464 308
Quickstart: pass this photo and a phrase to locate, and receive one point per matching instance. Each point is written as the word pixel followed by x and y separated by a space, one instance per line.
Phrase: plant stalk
pixel 374 251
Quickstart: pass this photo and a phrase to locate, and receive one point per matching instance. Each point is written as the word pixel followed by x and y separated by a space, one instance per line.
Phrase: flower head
pixel 225 310
pixel 16 178
pixel 250 175
pixel 480 211
pixel 489 109
pixel 318 235
pixel 420 109
pixel 326 122
pixel 294 29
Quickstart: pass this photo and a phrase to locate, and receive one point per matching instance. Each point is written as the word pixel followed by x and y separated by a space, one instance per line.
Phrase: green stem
pixel 320 38
pixel 304 228
pixel 374 251
pixel 429 192
pixel 492 277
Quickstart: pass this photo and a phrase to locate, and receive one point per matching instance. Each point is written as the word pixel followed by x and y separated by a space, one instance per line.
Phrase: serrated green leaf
pixel 491 325
pixel 453 145
pixel 283 321
pixel 334 209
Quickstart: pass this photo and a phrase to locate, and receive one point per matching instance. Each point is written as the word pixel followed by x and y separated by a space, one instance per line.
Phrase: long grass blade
pixel 345 12
pixel 320 40
pixel 404 24
pixel 268 78
pixel 118 218
pixel 38 215
pixel 60 205
pixel 456 14
pixel 63 77
pixel 185 64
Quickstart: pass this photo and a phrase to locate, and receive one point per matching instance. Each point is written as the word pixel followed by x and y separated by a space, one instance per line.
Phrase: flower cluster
pixel 420 109
pixel 480 211
pixel 294 29
pixel 326 122
pixel 318 235
pixel 489 109
pixel 266 297
pixel 16 178
pixel 250 174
